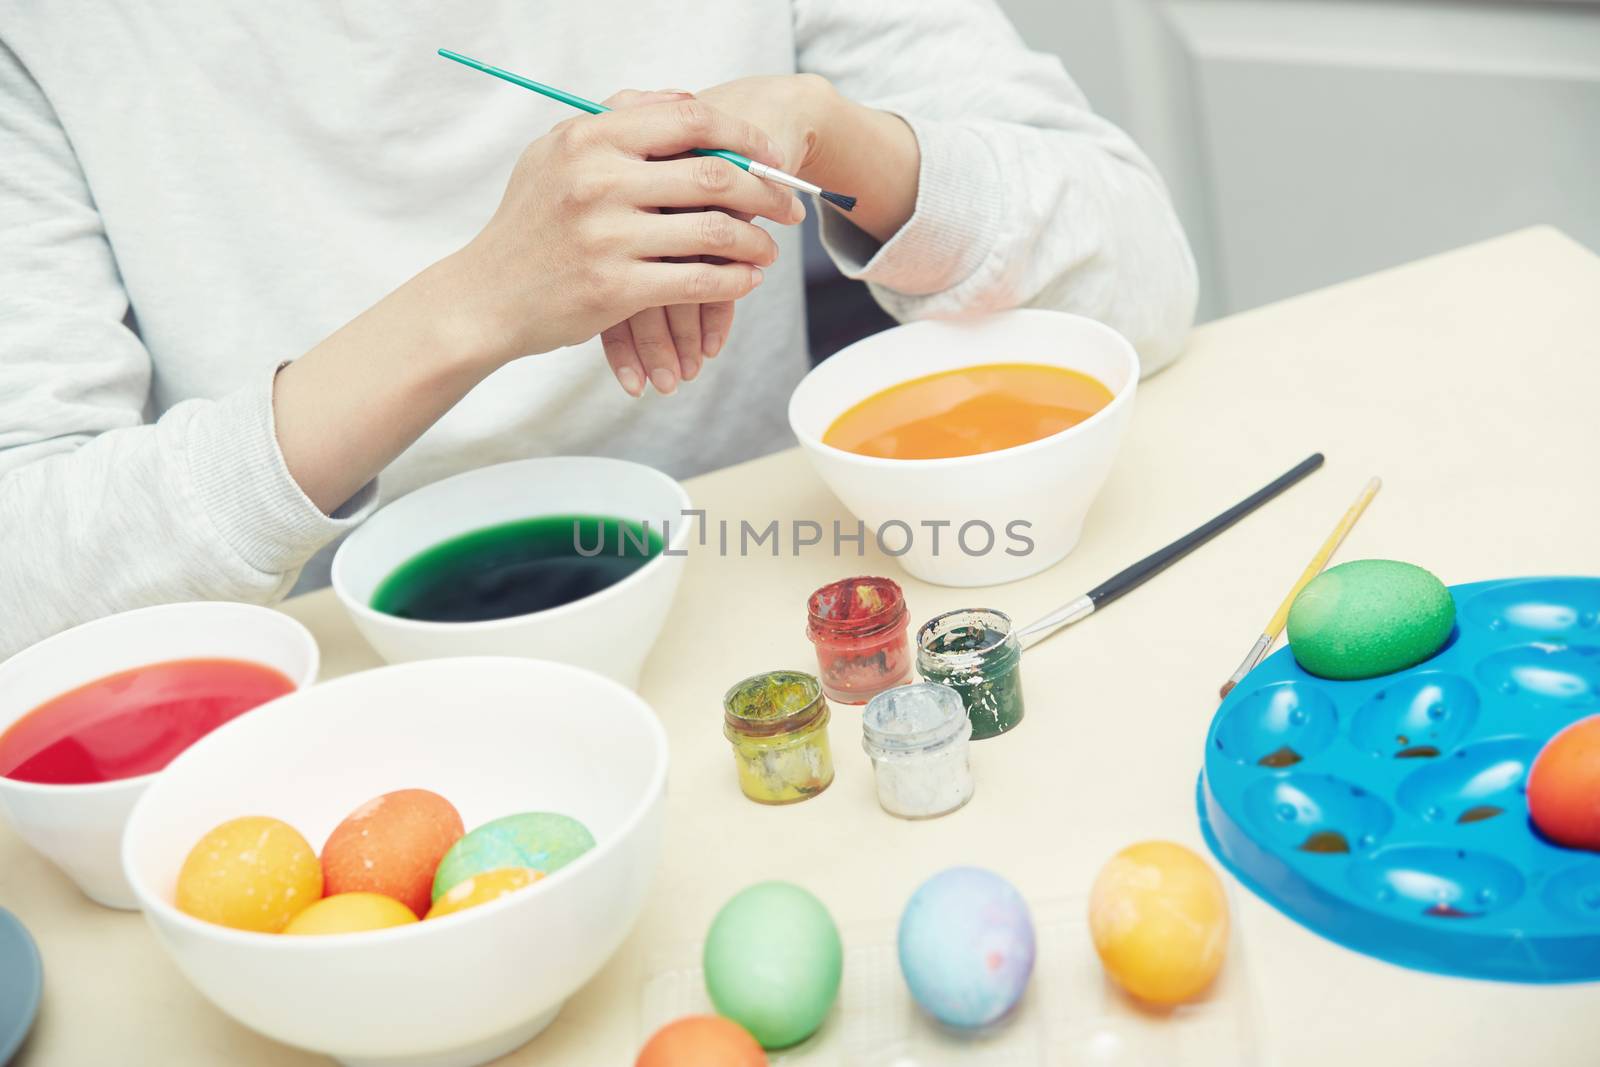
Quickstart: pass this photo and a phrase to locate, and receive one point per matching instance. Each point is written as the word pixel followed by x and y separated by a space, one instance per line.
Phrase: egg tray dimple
pixel 1390 815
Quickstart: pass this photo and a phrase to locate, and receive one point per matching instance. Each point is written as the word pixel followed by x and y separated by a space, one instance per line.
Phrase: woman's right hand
pixel 577 245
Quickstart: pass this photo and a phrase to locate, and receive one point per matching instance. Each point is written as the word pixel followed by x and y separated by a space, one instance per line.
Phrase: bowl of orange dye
pixel 972 450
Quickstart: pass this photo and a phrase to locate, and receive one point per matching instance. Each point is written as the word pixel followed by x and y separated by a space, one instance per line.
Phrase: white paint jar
pixel 920 740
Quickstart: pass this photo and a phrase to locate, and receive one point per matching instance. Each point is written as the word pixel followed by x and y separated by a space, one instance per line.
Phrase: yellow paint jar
pixel 778 725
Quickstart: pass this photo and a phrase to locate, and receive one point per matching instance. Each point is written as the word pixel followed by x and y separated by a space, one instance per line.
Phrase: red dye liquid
pixel 134 722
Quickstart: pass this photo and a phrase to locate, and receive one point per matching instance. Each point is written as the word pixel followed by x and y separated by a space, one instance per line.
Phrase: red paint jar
pixel 860 628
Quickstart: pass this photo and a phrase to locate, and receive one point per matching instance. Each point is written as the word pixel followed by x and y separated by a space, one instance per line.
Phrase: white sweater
pixel 191 193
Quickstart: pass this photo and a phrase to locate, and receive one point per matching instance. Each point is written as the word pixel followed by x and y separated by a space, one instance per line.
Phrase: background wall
pixel 1310 141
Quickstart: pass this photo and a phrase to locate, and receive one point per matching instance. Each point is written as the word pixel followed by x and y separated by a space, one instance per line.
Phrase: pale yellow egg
pixel 482 888
pixel 253 873
pixel 1159 919
pixel 348 913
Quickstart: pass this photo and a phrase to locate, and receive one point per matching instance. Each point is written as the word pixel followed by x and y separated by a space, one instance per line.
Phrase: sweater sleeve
pixel 1025 196
pixel 99 510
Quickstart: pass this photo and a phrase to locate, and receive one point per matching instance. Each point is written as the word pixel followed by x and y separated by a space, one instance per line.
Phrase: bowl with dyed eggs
pixel 492 735
pixel 567 558
pixel 989 516
pixel 90 716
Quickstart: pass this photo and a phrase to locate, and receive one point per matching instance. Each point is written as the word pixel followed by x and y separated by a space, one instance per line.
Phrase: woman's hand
pixel 826 140
pixel 578 244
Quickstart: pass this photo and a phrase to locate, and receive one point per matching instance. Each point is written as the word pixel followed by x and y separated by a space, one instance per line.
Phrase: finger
pixel 669 126
pixel 705 233
pixel 715 321
pixel 634 97
pixel 705 181
pixel 622 357
pixel 661 285
pixel 652 339
pixel 683 321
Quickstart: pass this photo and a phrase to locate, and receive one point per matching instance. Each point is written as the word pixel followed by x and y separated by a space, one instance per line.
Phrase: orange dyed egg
pixel 391 845
pixel 1564 786
pixel 701 1041
pixel 1159 919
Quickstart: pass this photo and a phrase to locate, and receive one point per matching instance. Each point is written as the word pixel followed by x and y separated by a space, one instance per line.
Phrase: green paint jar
pixel 975 652
pixel 778 725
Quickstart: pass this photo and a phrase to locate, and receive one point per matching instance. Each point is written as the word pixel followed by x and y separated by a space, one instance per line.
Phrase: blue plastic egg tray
pixel 1389 814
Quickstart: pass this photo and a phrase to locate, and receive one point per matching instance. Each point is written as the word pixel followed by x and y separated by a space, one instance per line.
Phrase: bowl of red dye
pixel 90 716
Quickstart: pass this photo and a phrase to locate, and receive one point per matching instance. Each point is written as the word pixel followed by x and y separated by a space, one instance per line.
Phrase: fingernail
pixel 631 383
pixel 690 368
pixel 665 381
pixel 675 92
pixel 775 153
pixel 758 276
pixel 711 344
pixel 799 213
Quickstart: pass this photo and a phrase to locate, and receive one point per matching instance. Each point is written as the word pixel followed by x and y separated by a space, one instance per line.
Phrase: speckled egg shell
pixel 967 946
pixel 542 840
pixel 392 845
pixel 773 961
pixel 1159 919
pixel 252 873
pixel 1369 617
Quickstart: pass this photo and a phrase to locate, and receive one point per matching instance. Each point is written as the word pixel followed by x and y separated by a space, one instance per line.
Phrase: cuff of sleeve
pixel 952 229
pixel 246 490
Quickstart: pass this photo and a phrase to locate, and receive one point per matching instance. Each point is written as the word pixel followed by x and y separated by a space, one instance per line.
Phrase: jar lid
pixel 772 703
pixel 968 639
pixel 909 717
pixel 856 607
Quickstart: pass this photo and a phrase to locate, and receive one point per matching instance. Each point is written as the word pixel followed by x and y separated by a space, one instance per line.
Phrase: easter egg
pixel 1369 617
pixel 542 840
pixel 349 913
pixel 701 1041
pixel 253 873
pixel 482 888
pixel 1159 919
pixel 392 845
pixel 966 946
pixel 1564 786
pixel 773 962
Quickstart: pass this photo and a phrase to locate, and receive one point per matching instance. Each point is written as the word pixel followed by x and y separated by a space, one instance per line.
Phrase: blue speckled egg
pixel 541 840
pixel 966 946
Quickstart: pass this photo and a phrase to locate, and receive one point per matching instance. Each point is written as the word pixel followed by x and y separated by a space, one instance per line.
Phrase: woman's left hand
pixel 671 344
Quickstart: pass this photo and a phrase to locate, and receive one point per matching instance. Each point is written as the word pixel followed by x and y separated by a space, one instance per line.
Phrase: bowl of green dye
pixel 573 559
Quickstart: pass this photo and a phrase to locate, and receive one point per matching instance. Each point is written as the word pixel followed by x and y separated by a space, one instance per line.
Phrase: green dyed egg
pixel 539 839
pixel 773 963
pixel 1369 617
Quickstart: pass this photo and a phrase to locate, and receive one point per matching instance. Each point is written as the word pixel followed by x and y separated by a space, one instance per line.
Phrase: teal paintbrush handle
pixel 571 100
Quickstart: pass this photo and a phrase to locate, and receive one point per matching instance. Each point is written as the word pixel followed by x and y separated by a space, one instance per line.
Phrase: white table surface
pixel 1469 381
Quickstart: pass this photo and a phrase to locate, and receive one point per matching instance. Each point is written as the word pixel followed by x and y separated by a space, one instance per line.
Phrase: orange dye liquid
pixel 966 411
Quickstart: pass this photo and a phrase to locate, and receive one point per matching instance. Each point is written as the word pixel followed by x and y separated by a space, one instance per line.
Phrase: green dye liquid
pixel 516 568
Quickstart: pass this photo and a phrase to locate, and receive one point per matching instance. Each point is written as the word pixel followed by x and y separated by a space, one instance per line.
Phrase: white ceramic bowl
pixel 611 631
pixel 1048 483
pixel 79 827
pixel 495 736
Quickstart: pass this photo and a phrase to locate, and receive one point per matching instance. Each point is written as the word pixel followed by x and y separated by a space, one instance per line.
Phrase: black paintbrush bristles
pixel 839 200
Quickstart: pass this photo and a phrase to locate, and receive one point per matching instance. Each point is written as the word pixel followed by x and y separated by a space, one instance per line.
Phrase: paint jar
pixel 919 739
pixel 862 632
pixel 975 652
pixel 778 725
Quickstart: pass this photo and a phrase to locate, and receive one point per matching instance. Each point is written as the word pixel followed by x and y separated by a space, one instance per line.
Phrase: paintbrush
pixel 760 170
pixel 1132 577
pixel 1258 651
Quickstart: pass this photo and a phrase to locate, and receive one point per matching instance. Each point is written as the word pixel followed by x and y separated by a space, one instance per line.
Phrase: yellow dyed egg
pixel 1159 920
pixel 348 913
pixel 253 873
pixel 482 888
